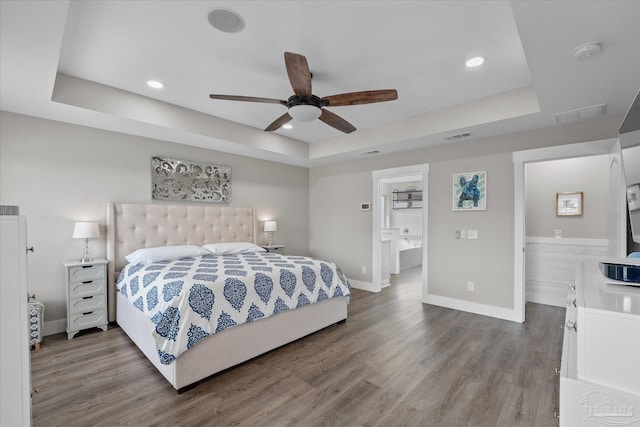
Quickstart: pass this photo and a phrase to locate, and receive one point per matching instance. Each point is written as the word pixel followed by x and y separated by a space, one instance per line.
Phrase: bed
pixel 135 226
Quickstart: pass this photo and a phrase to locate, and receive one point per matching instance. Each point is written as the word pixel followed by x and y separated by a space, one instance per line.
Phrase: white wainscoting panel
pixel 551 265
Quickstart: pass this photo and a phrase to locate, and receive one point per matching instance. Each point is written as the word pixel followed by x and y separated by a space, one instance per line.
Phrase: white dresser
pixel 600 372
pixel 86 295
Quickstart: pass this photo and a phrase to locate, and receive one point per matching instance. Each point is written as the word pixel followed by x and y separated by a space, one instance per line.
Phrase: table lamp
pixel 86 231
pixel 270 227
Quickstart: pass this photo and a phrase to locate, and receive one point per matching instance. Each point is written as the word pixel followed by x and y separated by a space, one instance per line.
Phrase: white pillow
pixel 164 253
pixel 232 248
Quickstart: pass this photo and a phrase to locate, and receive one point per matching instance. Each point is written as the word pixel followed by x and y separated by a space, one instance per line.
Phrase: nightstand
pixel 86 295
pixel 274 249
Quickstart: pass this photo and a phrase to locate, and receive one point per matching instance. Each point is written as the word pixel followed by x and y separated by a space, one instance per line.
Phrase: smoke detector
pixel 587 50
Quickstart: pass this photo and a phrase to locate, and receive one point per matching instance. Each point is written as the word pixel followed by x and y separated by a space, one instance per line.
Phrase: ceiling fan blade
pixel 336 121
pixel 277 124
pixel 248 99
pixel 364 97
pixel 299 74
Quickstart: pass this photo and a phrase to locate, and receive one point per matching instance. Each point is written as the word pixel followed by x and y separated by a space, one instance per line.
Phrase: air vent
pixel 6 210
pixel 368 153
pixel 458 136
pixel 580 114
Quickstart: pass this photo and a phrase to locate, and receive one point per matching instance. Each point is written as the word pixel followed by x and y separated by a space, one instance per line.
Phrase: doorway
pixel 617 222
pixel 405 177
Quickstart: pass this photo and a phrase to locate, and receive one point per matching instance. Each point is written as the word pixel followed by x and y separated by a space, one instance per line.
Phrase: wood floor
pixel 395 362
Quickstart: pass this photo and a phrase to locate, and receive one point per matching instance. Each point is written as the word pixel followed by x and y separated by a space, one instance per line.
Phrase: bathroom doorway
pixel 400 229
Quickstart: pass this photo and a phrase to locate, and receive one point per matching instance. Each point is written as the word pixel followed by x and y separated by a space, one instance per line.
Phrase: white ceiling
pixel 87 63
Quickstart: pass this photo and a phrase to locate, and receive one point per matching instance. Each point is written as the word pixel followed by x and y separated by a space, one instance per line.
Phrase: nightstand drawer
pixel 88 303
pixel 83 273
pixel 87 319
pixel 87 288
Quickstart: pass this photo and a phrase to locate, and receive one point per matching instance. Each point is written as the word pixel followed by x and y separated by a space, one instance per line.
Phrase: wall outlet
pixel 472 234
pixel 463 234
pixel 471 286
pixel 558 234
pixel 364 269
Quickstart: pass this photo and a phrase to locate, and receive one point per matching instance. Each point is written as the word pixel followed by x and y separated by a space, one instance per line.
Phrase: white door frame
pixel 378 176
pixel 520 158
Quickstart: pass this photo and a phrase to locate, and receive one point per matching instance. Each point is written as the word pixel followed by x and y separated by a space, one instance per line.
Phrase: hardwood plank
pixel 395 362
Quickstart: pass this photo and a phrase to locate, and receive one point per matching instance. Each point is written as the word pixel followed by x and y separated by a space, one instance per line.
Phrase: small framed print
pixel 633 197
pixel 569 204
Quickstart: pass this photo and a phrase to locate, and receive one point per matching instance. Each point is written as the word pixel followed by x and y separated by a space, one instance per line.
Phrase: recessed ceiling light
pixel 155 84
pixel 287 126
pixel 474 62
pixel 226 20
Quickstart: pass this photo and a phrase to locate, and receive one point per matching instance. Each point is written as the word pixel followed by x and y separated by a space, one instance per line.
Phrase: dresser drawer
pixel 83 273
pixel 87 303
pixel 87 319
pixel 87 288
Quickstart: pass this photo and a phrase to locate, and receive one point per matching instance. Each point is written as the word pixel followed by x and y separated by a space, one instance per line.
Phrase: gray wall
pixel 343 233
pixel 544 179
pixel 60 173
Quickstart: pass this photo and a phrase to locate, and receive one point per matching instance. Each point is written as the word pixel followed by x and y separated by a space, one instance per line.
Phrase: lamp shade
pixel 270 226
pixel 86 230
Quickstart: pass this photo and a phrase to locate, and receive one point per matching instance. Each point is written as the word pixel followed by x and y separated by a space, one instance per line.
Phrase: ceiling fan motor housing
pixel 305 100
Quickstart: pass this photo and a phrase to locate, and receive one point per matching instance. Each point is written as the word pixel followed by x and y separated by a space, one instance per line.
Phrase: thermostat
pixel 365 206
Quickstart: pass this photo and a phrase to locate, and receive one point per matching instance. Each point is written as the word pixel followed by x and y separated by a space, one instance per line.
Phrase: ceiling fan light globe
pixel 304 113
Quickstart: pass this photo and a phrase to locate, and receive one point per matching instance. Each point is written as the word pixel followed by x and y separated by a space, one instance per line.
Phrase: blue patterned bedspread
pixel 191 298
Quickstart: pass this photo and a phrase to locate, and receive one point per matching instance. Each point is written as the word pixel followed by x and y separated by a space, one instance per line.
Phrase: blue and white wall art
pixel 470 191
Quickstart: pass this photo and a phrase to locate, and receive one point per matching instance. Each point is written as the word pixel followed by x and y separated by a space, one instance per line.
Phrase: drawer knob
pixel 572 286
pixel 572 302
pixel 556 415
pixel 571 325
pixel 557 371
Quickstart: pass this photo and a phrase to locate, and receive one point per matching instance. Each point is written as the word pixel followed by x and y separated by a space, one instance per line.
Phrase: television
pixel 629 135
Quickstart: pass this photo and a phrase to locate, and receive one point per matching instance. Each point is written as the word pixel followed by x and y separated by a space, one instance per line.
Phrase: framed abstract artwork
pixel 470 191
pixel 569 204
pixel 185 180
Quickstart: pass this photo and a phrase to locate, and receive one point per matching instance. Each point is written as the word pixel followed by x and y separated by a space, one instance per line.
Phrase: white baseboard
pixel 472 307
pixel 365 286
pixel 54 327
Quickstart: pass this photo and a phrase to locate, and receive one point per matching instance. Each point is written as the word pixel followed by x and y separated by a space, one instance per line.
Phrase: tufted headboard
pixel 134 226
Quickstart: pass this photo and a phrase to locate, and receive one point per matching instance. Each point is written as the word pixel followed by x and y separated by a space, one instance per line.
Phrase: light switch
pixel 472 234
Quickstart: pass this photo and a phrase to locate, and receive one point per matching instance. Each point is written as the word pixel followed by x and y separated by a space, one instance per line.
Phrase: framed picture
pixel 569 204
pixel 633 197
pixel 185 180
pixel 470 191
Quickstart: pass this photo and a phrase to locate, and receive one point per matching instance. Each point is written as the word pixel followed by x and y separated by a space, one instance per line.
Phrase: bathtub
pixel 410 248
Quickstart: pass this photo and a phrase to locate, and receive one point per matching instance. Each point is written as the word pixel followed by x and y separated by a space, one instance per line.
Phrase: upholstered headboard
pixel 134 226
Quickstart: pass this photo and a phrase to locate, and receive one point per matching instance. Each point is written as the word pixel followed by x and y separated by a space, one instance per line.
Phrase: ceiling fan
pixel 305 106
